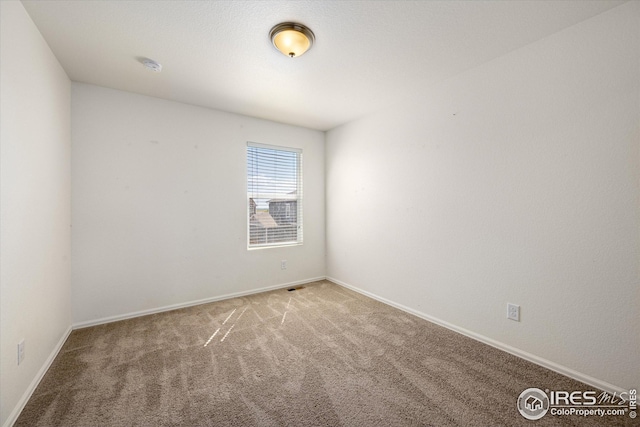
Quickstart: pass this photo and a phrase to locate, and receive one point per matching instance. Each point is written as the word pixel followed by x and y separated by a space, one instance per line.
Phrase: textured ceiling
pixel 217 53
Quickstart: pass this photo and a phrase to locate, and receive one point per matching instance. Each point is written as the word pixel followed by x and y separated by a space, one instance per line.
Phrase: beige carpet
pixel 318 356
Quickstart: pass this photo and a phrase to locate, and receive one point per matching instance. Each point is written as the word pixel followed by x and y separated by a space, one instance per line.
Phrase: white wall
pixel 35 205
pixel 516 181
pixel 159 204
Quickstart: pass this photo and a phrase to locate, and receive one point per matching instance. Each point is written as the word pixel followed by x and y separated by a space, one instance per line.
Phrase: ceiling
pixel 217 54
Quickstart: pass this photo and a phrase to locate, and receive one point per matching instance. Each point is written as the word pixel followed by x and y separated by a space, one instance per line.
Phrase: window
pixel 274 195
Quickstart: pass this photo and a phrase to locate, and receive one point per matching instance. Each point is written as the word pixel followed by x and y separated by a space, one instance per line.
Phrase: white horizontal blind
pixel 274 195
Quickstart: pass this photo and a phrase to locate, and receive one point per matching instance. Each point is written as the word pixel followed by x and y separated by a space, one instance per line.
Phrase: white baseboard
pixel 27 394
pixel 36 380
pixel 602 385
pixel 118 317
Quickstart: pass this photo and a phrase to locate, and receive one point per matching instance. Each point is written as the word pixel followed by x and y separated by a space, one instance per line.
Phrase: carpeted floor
pixel 319 356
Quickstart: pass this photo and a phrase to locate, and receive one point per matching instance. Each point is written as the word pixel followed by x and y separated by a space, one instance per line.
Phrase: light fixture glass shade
pixel 292 39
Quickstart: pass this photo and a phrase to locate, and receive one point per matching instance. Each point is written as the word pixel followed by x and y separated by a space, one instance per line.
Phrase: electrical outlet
pixel 513 312
pixel 20 352
pixel 283 264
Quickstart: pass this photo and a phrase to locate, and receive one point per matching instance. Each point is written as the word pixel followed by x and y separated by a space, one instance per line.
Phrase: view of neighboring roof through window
pixel 274 195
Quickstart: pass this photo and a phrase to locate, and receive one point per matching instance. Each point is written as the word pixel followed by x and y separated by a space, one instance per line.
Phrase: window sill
pixel 273 246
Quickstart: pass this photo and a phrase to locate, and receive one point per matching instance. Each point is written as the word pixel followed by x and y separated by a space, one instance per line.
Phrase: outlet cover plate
pixel 20 352
pixel 513 312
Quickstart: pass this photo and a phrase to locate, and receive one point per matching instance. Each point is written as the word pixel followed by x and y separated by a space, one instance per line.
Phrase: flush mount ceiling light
pixel 291 39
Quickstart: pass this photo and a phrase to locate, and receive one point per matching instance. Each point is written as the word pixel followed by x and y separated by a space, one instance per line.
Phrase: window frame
pixel 298 198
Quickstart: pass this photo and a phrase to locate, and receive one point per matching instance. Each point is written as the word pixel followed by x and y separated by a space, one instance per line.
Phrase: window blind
pixel 274 195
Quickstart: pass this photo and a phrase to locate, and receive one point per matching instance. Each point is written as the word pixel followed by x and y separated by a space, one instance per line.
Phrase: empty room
pixel 319 213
